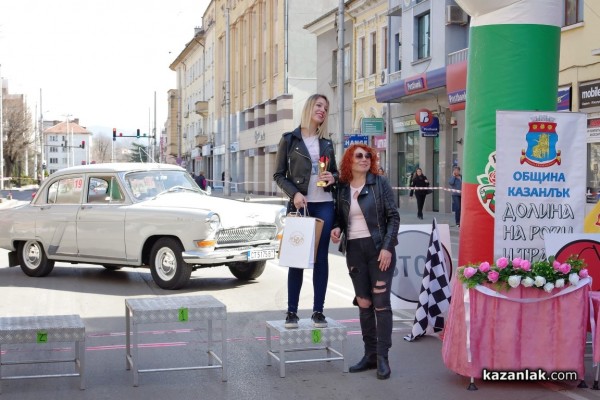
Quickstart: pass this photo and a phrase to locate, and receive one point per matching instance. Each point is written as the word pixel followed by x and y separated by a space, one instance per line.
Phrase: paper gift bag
pixel 300 241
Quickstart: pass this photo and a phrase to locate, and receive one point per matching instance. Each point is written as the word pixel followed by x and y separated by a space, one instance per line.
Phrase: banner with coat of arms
pixel 540 180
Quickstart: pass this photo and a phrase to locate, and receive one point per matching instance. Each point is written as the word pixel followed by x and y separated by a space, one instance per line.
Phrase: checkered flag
pixel 434 297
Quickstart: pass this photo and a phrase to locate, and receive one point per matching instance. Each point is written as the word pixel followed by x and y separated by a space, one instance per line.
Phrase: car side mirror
pixel 208 190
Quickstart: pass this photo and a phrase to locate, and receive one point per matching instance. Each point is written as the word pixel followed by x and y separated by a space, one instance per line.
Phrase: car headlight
pixel 214 221
pixel 280 220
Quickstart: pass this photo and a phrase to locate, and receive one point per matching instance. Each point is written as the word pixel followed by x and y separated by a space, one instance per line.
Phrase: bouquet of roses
pixel 545 274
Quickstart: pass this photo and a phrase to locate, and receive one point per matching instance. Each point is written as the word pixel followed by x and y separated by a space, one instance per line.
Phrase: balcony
pixel 202 108
pixel 458 56
pixel 201 139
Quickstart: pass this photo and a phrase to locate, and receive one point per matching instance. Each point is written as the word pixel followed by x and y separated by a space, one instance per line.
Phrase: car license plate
pixel 261 254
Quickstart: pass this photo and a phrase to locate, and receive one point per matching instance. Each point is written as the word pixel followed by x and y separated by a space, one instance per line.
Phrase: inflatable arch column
pixel 513 65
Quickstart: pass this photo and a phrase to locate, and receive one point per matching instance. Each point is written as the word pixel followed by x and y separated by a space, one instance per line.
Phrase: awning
pixel 394 92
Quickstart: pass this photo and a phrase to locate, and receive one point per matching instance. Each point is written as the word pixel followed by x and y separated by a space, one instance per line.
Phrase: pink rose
pixel 502 262
pixel 564 268
pixel 516 262
pixel 526 265
pixel 493 276
pixel 484 266
pixel 556 265
pixel 469 272
pixel 583 273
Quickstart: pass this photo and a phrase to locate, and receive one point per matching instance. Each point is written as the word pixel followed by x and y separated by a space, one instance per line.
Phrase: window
pixel 334 65
pixel 573 12
pixel 66 191
pixel 384 47
pixel 360 62
pixel 105 190
pixel 423 48
pixel 373 67
pixel 398 39
pixel 275 59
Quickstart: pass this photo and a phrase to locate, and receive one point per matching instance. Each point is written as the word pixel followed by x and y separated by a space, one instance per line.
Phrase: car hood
pixel 233 213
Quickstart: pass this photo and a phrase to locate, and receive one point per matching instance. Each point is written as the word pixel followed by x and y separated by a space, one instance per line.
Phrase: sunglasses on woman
pixel 359 156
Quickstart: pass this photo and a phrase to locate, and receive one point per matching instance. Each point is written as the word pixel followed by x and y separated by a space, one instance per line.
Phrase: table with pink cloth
pixel 595 297
pixel 539 330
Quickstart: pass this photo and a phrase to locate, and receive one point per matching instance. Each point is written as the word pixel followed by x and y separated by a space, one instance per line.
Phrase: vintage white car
pixel 139 215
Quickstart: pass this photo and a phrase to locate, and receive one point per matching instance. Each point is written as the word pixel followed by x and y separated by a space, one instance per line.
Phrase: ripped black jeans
pixel 374 285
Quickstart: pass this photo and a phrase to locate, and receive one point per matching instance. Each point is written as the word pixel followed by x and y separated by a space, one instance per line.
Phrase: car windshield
pixel 148 184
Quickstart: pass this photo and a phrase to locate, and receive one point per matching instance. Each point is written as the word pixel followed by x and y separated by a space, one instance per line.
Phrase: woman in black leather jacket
pixel 366 224
pixel 421 182
pixel 310 190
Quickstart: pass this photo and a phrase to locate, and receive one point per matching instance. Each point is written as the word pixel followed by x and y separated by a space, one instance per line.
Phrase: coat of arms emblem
pixel 541 144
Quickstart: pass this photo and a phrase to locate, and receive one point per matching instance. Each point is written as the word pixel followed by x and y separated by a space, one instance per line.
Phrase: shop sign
pixel 431 130
pixel 355 139
pixel 424 117
pixel 415 85
pixel 589 95
pixel 372 126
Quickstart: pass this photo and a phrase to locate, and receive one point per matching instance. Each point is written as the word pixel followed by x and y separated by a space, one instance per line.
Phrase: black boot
pixel 366 363
pixel 383 367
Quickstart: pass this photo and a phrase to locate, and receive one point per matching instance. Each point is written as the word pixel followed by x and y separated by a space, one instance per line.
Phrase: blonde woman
pixel 297 173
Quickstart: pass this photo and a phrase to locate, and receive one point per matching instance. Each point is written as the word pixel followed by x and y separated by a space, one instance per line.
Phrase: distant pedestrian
pixel 201 180
pixel 381 171
pixel 455 183
pixel 419 183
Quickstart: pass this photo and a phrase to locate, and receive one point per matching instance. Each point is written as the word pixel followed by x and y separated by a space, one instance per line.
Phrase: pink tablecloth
pixel 507 335
pixel 595 296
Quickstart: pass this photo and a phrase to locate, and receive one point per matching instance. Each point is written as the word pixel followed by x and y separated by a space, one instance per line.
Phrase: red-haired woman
pixel 366 224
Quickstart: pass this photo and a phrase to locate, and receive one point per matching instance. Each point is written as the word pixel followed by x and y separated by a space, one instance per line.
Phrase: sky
pixel 97 60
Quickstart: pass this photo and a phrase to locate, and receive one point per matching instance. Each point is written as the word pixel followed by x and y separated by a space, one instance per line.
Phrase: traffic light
pixel 137 134
pixel 83 144
pixel 114 134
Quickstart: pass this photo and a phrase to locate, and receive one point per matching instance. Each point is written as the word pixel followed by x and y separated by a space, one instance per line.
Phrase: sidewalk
pixel 407 216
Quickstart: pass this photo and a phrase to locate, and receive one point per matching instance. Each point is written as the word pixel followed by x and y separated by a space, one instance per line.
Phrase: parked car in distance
pixel 139 215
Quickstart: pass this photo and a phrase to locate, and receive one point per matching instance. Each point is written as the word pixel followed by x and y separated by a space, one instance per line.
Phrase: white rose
pixel 559 283
pixel 514 281
pixel 548 287
pixel 527 282
pixel 573 278
pixel 540 281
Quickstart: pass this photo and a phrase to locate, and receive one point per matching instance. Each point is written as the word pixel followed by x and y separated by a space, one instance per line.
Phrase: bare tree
pixel 18 136
pixel 101 149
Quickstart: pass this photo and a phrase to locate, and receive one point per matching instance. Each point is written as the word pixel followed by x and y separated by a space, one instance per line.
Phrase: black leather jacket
pixel 293 166
pixel 376 200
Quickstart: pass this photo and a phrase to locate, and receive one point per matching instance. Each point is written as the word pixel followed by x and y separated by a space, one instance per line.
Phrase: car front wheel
pixel 168 269
pixel 33 260
pixel 246 271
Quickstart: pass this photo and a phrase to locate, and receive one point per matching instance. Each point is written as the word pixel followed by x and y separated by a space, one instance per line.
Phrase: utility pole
pixel 39 171
pixel 153 141
pixel 340 80
pixel 227 154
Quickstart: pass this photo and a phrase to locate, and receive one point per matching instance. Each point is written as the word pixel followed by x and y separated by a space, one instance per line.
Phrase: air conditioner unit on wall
pixel 383 77
pixel 456 16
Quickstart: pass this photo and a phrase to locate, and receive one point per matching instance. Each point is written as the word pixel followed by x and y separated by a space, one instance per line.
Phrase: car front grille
pixel 246 234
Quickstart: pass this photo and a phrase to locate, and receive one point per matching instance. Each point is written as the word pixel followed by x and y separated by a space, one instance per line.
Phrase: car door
pixel 101 221
pixel 55 224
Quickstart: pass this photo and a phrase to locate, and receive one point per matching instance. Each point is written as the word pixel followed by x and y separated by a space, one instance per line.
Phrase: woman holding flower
pixel 306 171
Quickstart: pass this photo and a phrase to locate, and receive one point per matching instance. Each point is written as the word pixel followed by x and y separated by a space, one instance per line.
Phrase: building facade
pixel 66 144
pixel 579 78
pixel 270 77
pixel 427 37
